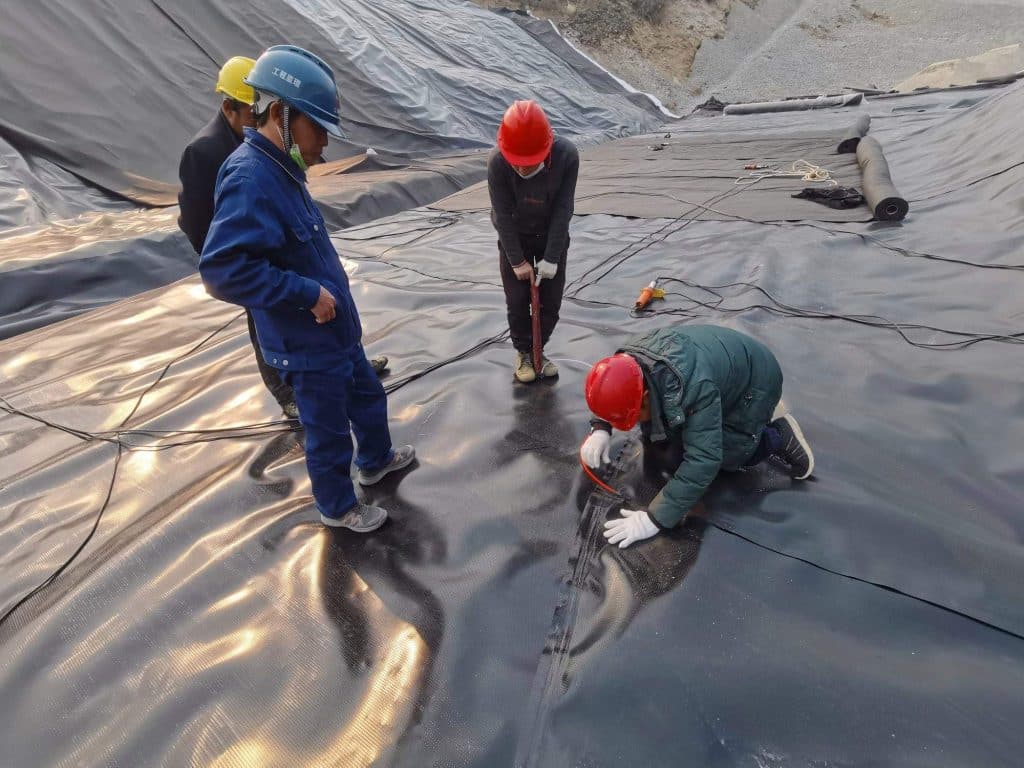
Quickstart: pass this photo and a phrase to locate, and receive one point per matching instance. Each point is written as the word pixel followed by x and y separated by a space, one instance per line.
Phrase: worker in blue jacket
pixel 268 250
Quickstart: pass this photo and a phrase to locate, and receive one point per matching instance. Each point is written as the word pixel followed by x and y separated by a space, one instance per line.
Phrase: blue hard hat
pixel 302 80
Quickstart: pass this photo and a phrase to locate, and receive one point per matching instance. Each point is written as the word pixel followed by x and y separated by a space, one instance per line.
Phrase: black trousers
pixel 517 297
pixel 665 457
pixel 271 376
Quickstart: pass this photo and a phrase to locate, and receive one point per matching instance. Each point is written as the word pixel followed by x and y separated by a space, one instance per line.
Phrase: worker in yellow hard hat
pixel 200 164
pixel 231 82
pixel 209 148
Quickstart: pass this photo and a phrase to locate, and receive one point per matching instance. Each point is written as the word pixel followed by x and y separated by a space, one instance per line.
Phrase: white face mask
pixel 532 173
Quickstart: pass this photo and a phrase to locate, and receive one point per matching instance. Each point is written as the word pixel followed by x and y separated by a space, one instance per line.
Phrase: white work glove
pixel 595 449
pixel 546 270
pixel 634 525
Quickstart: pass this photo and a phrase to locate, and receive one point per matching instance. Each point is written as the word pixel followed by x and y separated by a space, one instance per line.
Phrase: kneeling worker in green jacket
pixel 711 392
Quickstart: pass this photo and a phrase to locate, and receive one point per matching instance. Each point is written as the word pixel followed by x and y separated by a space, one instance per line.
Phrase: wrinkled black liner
pixel 872 616
pixel 112 95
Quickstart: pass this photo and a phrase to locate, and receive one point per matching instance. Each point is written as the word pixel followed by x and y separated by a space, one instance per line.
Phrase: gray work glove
pixel 634 525
pixel 546 270
pixel 595 450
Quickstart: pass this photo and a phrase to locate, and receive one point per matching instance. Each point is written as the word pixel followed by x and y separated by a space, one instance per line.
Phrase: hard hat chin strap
pixel 286 138
pixel 286 121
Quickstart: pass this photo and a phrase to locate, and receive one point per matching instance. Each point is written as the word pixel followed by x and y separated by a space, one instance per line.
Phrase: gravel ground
pixel 648 43
pixel 819 46
pixel 751 50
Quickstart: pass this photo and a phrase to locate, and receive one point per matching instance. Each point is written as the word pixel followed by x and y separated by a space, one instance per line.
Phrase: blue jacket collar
pixel 267 147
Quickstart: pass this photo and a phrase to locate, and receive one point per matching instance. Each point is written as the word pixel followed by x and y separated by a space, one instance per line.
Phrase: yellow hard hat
pixel 231 77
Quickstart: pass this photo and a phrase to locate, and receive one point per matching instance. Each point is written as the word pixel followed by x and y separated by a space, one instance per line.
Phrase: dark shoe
pixel 362 518
pixel 795 451
pixel 379 364
pixel 291 410
pixel 403 457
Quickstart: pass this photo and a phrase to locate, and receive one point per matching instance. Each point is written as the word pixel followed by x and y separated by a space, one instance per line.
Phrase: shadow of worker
pixel 540 431
pixel 390 623
pixel 619 583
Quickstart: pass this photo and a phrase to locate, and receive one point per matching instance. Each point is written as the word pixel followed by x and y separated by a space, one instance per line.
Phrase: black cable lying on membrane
pixel 118 437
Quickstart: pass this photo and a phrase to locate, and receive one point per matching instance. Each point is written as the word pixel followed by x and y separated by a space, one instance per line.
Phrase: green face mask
pixel 295 155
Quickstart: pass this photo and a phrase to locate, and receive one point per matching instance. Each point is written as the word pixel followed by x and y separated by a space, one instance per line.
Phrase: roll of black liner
pixel 853 136
pixel 879 191
pixel 795 105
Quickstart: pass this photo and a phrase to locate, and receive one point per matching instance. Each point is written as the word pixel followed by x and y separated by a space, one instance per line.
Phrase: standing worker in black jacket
pixel 531 177
pixel 200 164
pixel 198 169
pixel 203 157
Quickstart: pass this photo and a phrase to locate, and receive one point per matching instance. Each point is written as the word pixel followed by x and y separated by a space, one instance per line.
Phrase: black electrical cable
pixel 96 524
pixel 835 231
pixel 780 308
pixel 345 234
pixel 683 220
pixel 227 434
pixel 479 346
pixel 868 582
pixel 909 253
pixel 785 310
pixel 117 438
pixel 120 437
pixel 969 338
pixel 439 222
pixel 426 233
pixel 5 405
pixel 992 175
pixel 117 462
pixel 407 268
pixel 179 358
pixel 212 430
pixel 732 532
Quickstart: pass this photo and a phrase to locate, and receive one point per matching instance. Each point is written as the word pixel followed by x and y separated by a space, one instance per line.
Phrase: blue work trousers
pixel 333 403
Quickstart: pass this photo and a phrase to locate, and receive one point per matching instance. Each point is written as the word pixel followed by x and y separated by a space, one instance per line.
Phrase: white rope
pixel 801 169
pixel 583 365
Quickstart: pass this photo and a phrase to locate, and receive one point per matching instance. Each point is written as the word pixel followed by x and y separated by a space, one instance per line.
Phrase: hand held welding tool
pixel 648 294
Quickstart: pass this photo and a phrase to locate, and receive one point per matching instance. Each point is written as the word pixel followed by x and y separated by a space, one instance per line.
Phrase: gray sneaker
pixel 403 457
pixel 362 518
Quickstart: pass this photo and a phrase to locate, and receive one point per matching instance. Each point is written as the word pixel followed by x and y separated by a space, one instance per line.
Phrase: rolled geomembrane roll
pixel 879 191
pixel 794 105
pixel 853 136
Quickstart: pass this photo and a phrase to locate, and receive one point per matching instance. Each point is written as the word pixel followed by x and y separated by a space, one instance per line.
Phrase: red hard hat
pixel 525 136
pixel 615 391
